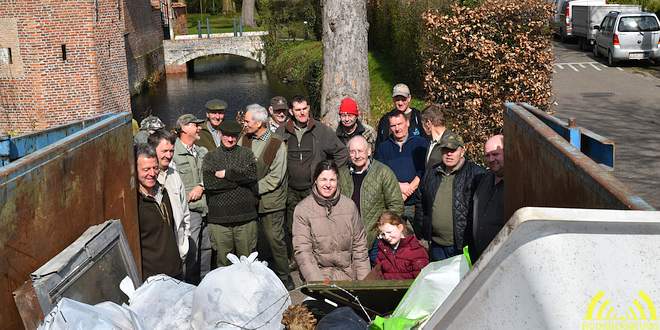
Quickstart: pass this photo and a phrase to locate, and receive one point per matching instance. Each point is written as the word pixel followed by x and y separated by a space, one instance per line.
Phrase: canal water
pixel 237 80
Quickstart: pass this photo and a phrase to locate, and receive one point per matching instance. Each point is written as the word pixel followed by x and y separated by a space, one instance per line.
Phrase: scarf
pixel 328 203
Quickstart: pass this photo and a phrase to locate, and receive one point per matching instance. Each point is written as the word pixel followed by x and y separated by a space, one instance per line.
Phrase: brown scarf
pixel 328 203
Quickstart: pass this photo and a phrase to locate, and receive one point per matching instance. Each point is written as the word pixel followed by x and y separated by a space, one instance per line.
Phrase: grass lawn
pixel 218 23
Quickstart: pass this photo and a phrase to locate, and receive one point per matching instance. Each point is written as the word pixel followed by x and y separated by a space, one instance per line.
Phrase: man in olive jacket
pixel 308 142
pixel 270 153
pixel 209 136
pixel 371 185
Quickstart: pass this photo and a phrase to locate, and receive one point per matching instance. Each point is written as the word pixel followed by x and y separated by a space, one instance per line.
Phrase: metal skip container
pixel 552 268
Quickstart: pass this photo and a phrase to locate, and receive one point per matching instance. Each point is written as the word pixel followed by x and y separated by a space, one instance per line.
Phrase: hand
pixel 220 174
pixel 195 194
pixel 411 190
pixel 404 197
pixel 404 187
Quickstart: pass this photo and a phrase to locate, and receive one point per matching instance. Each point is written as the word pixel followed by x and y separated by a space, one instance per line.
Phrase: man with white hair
pixel 371 185
pixel 270 154
pixel 488 210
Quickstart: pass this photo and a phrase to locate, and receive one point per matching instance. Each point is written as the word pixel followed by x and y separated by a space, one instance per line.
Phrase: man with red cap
pixel 350 124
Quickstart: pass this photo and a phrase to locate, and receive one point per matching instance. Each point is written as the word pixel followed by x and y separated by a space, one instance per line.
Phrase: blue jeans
pixel 440 252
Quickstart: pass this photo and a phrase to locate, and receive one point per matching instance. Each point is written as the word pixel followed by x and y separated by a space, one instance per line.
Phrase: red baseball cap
pixel 348 105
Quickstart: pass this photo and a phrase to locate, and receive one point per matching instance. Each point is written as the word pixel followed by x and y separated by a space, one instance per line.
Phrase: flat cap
pixel 230 127
pixel 216 105
pixel 187 119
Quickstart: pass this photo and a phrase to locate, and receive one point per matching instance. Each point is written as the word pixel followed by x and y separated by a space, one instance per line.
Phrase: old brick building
pixel 144 41
pixel 61 61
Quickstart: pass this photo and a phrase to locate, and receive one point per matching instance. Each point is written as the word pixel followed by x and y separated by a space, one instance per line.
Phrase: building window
pixel 5 56
pixel 64 53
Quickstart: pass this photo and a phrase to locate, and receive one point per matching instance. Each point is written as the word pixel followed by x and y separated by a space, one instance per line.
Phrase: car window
pixel 607 23
pixel 638 24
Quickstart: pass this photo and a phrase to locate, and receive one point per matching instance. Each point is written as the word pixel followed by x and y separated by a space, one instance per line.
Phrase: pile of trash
pixel 243 295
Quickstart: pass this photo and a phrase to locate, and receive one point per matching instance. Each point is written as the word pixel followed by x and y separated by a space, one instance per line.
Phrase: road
pixel 622 104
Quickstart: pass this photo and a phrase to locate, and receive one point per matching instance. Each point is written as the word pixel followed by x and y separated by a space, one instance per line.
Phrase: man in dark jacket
pixel 433 121
pixel 488 208
pixel 209 136
pixel 401 98
pixel 350 124
pixel 230 177
pixel 308 143
pixel 445 206
pixel 158 241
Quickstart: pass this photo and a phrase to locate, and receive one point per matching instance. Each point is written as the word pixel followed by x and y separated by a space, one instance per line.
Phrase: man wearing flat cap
pixel 401 98
pixel 278 112
pixel 209 136
pixel 230 180
pixel 187 161
pixel 445 206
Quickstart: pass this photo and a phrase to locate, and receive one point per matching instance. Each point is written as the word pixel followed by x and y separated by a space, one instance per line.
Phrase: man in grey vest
pixel 270 154
pixel 187 161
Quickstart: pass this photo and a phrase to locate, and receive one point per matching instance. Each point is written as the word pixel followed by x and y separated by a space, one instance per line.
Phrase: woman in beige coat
pixel 329 240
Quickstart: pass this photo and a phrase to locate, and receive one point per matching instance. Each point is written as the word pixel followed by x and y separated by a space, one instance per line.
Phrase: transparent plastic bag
pixel 73 315
pixel 244 295
pixel 163 302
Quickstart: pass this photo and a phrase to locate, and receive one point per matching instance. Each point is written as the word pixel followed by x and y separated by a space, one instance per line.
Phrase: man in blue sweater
pixel 405 154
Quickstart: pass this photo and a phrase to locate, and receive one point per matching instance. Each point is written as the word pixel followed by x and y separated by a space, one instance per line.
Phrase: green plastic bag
pixel 429 290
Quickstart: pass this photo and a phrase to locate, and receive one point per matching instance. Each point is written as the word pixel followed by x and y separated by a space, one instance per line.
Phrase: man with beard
pixel 488 217
pixel 209 136
pixel 277 110
pixel 350 124
pixel 308 143
pixel 445 207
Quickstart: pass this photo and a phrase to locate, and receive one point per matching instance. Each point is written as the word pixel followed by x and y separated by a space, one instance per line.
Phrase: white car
pixel 629 36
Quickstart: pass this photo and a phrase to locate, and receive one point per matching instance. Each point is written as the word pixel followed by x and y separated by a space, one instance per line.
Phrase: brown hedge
pixel 477 58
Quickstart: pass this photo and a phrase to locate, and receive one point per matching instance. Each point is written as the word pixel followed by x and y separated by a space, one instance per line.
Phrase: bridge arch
pixel 180 51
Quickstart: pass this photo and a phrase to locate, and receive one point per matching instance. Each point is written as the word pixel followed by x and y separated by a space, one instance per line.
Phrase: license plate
pixel 636 56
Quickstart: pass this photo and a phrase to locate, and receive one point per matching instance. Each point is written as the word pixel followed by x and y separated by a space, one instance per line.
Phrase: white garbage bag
pixel 163 302
pixel 73 315
pixel 245 295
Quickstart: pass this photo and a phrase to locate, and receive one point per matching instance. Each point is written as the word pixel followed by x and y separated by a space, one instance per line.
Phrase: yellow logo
pixel 601 315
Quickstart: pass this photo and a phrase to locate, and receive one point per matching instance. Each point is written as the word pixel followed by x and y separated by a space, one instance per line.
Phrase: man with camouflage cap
pixel 209 136
pixel 277 110
pixel 445 206
pixel 187 161
pixel 148 125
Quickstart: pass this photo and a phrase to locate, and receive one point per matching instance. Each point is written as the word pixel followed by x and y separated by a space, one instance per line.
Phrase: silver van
pixel 629 36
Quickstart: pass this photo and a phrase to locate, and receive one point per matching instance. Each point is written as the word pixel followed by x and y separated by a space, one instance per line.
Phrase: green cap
pixel 187 119
pixel 230 127
pixel 216 105
pixel 451 141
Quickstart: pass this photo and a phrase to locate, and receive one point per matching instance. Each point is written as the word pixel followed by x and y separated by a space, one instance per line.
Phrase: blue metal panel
pixel 24 145
pixel 600 149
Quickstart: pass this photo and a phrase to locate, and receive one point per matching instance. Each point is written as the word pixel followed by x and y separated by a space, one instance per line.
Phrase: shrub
pixel 475 59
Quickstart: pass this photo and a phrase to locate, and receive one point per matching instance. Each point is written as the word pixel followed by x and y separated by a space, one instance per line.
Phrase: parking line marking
pixel 595 67
pixel 620 69
pixel 574 68
pixel 582 65
pixel 561 67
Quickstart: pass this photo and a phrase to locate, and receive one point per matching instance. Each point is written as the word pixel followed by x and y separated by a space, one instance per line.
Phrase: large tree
pixel 345 66
pixel 247 12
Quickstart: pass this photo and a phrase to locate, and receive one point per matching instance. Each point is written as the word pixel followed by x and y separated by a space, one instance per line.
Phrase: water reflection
pixel 237 80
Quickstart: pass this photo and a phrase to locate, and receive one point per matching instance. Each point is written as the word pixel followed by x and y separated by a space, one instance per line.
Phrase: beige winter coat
pixel 333 247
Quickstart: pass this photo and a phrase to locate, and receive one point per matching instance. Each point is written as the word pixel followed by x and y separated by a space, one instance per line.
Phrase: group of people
pixel 338 204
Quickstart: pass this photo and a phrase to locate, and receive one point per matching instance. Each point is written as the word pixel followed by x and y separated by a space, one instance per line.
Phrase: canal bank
pixel 237 80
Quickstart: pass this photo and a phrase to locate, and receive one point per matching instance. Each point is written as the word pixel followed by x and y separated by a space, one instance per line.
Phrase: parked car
pixel 562 21
pixel 628 36
pixel 585 17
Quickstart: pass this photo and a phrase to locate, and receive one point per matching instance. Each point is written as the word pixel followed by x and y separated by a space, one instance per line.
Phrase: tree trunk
pixel 247 12
pixel 228 7
pixel 345 66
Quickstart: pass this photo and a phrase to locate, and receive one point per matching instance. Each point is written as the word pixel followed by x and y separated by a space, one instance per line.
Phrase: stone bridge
pixel 183 49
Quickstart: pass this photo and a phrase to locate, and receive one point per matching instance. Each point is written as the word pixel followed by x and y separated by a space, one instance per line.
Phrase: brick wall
pixel 144 43
pixel 41 88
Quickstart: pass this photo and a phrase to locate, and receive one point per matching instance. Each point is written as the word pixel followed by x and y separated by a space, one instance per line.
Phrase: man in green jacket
pixel 187 161
pixel 270 153
pixel 209 136
pixel 371 185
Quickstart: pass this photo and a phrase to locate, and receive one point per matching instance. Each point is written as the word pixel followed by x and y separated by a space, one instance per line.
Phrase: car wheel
pixel 595 50
pixel 610 59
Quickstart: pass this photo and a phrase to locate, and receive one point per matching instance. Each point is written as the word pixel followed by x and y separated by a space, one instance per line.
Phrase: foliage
pixel 647 5
pixel 395 31
pixel 475 59
pixel 217 23
pixel 286 19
